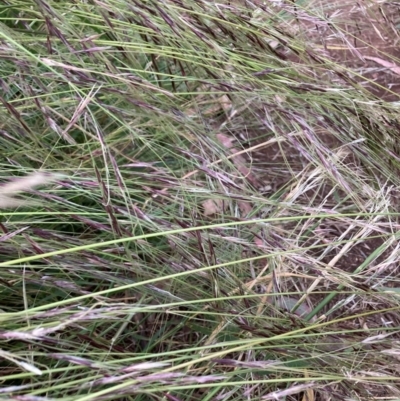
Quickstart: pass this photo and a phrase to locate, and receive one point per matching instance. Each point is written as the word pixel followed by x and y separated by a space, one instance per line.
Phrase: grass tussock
pixel 199 200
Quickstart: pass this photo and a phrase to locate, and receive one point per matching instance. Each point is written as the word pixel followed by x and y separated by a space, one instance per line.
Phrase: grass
pixel 140 258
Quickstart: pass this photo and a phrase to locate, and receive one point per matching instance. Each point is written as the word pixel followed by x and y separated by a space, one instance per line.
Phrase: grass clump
pixel 217 215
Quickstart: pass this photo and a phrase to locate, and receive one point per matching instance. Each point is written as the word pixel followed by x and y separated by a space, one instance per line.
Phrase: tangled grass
pixel 149 264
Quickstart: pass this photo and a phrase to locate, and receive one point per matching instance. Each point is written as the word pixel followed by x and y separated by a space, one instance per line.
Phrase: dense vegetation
pixel 199 201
